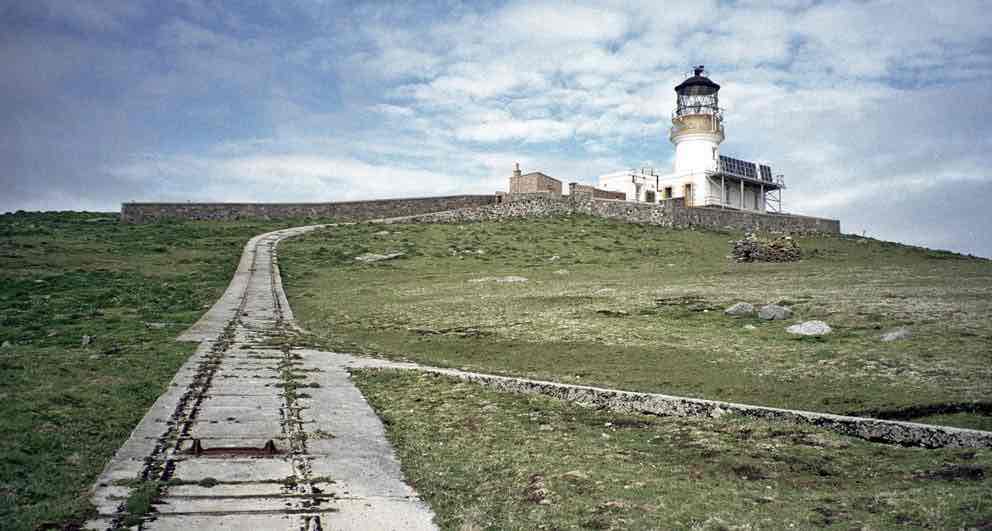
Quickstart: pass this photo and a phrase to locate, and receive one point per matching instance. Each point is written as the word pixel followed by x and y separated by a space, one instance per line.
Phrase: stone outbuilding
pixel 533 182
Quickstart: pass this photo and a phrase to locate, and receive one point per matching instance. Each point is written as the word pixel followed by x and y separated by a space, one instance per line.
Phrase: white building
pixel 639 185
pixel 702 177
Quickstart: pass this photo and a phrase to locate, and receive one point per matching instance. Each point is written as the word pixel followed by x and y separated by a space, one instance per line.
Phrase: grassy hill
pixel 66 402
pixel 604 303
pixel 640 307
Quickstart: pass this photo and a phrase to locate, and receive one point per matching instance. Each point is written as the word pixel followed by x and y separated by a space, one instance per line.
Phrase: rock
pixel 774 312
pixel 717 412
pixel 86 341
pixel 611 505
pixel 895 335
pixel 554 258
pixel 490 408
pixel 575 475
pixel 6 344
pixel 741 308
pixel 810 328
pixel 383 233
pixel 155 325
pixel 749 327
pixel 562 272
pixel 372 257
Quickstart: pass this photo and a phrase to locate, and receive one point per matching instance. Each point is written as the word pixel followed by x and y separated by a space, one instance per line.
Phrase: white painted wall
pixel 696 153
pixel 633 183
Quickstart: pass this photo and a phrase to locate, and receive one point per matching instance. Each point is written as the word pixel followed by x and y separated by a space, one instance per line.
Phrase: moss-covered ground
pixel 641 308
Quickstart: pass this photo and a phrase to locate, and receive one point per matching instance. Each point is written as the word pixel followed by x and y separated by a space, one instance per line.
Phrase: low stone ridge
pixel 895 335
pixel 774 312
pixel 511 279
pixel 871 429
pixel 810 328
pixel 372 257
pixel 740 309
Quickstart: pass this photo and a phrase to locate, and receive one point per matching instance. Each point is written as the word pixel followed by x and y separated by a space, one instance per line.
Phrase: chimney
pixel 516 169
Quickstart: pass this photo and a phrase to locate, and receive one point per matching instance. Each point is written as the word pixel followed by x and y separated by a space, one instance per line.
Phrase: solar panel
pixel 766 172
pixel 738 167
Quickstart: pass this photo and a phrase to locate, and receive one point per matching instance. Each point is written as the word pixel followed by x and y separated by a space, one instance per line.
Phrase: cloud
pixel 865 106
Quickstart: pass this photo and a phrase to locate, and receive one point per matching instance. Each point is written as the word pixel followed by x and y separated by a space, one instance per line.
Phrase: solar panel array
pixel 738 167
pixel 766 172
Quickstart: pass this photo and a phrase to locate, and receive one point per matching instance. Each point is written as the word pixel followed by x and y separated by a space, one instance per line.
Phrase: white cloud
pixel 850 99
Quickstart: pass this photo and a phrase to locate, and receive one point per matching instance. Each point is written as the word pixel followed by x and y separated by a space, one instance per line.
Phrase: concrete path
pixel 254 435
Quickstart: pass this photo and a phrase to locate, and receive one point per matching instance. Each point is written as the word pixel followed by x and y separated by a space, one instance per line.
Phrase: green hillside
pixel 641 308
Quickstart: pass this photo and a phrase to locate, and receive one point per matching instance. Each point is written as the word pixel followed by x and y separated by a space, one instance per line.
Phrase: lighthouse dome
pixel 697 85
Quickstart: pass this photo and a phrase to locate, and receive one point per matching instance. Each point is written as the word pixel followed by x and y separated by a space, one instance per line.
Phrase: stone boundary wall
pixel 870 429
pixel 468 208
pixel 341 211
pixel 876 430
pixel 576 188
pixel 670 213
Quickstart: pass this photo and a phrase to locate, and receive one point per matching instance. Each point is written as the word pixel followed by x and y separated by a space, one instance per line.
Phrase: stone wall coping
pixel 306 203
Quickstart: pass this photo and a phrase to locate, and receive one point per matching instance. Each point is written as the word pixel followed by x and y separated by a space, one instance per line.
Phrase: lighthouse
pixel 697 125
pixel 701 176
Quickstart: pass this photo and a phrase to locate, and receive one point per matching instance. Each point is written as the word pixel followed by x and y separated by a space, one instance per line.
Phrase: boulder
pixel 895 335
pixel 6 344
pixel 739 309
pixel 810 328
pixel 774 312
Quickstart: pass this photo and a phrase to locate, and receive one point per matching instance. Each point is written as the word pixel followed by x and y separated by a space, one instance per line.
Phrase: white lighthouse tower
pixel 697 125
pixel 702 177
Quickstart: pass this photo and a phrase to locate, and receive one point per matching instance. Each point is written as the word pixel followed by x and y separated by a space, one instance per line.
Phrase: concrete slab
pixel 234 504
pixel 233 522
pixel 266 428
pixel 196 469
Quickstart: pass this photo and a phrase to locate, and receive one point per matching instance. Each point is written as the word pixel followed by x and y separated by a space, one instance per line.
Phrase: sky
pixel 877 112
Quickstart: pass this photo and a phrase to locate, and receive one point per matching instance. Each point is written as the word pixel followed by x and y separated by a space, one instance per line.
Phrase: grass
pixel 66 404
pixel 640 307
pixel 490 460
